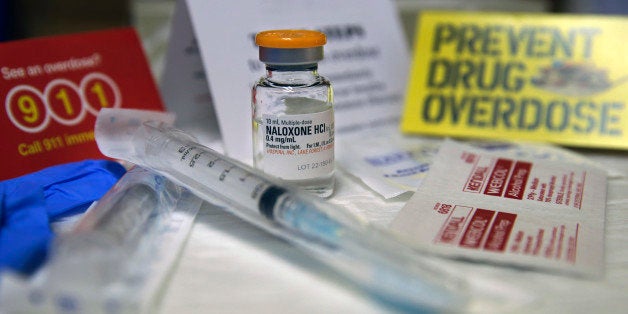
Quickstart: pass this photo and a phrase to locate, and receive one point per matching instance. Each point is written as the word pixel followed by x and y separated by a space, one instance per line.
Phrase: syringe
pixel 366 255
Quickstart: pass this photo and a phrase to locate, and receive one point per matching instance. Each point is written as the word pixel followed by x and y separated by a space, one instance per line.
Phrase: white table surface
pixel 228 266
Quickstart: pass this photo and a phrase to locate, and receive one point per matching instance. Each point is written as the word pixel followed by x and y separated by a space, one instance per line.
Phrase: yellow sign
pixel 558 78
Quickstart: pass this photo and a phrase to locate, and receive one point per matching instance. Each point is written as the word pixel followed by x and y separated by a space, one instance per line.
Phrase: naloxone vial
pixel 293 113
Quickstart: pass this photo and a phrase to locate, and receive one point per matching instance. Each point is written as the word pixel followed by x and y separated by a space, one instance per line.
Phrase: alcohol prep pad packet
pixel 524 212
pixel 389 164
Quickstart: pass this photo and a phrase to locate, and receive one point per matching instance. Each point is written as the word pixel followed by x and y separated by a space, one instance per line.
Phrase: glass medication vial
pixel 293 115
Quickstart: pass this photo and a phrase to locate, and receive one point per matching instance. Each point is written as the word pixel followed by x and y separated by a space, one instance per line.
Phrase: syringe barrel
pixel 174 152
pixel 367 257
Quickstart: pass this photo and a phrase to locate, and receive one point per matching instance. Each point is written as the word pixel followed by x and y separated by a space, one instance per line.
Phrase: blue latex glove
pixel 28 205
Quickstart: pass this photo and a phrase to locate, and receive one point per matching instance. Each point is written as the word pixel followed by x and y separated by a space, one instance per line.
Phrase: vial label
pixel 298 147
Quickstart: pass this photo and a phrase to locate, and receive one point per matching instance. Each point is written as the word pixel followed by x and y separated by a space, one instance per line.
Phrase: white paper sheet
pixel 366 59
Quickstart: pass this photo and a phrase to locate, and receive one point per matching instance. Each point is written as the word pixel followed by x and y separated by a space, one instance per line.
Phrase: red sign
pixel 52 89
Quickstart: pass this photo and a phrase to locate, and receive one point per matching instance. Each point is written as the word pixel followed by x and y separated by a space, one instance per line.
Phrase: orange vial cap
pixel 290 39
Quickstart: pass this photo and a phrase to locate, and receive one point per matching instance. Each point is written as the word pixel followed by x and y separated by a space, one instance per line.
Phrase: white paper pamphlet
pixel 366 59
